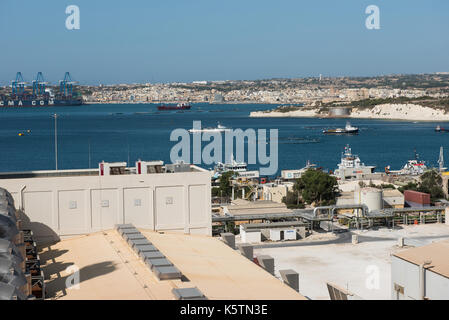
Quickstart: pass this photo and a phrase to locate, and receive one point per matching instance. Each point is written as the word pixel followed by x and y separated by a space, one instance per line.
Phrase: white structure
pixel 74 202
pixel 276 193
pixel 371 197
pixel 351 166
pixel 275 234
pixel 421 273
pixel 250 236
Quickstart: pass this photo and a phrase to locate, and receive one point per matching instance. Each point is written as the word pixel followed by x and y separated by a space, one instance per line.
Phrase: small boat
pixel 348 129
pixel 219 128
pixel 440 129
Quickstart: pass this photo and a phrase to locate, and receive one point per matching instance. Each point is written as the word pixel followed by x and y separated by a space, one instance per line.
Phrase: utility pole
pixel 56 140
pixel 89 153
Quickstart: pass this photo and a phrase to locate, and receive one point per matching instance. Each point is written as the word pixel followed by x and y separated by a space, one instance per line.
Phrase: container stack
pixel 21 277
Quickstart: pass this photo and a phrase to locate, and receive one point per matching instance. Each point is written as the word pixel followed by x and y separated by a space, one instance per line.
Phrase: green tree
pixel 317 186
pixel 431 183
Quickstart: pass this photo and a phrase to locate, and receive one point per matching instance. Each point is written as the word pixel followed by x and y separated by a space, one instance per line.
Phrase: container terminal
pixel 40 95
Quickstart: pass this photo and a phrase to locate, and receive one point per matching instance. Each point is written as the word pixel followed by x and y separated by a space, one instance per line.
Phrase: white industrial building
pixel 150 196
pixel 421 273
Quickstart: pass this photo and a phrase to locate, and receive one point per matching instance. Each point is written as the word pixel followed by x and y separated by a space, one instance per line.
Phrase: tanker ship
pixel 41 96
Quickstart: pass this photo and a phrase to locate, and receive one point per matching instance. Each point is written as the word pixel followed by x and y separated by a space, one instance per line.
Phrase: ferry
pixel 239 167
pixel 179 106
pixel 348 129
pixel 351 165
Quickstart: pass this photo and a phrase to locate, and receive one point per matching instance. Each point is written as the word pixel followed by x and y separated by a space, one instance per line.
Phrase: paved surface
pixel 350 266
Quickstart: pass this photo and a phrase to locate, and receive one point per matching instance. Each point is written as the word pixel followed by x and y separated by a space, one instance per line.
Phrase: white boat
pixel 413 167
pixel 351 165
pixel 239 167
pixel 219 128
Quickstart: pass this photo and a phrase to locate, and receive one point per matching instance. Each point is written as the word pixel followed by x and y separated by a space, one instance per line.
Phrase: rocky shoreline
pixel 407 112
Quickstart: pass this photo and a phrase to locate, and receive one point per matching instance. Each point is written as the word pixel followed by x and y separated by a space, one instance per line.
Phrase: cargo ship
pixel 41 96
pixel 179 106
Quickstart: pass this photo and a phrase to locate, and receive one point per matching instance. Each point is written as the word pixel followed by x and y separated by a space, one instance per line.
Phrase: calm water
pixel 140 131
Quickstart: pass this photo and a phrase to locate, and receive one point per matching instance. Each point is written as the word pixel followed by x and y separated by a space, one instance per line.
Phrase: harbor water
pixel 89 134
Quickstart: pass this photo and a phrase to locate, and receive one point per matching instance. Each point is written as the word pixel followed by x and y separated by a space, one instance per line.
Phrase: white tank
pixel 371 197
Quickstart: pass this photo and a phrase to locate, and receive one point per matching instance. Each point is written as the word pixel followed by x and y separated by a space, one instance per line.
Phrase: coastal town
pixel 307 91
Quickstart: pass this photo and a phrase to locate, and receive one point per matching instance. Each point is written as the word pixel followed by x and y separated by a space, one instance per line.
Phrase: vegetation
pixel 314 187
pixel 431 182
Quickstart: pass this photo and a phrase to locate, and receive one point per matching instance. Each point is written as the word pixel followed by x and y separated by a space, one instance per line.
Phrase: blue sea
pixel 126 132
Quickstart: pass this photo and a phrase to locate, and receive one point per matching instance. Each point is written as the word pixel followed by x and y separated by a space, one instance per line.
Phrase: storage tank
pixel 371 197
pixel 339 112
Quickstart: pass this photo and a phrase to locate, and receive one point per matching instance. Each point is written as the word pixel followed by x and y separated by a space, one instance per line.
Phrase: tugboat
pixel 179 106
pixel 348 129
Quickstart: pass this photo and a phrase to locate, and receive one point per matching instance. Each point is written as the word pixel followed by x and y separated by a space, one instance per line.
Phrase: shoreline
pixel 396 112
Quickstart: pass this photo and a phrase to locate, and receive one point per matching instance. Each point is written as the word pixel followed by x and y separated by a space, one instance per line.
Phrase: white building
pixel 73 202
pixel 421 273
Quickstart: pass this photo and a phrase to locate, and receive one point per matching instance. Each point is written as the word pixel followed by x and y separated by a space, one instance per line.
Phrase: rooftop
pixel 437 253
pixel 84 172
pixel 335 259
pixel 110 269
pixel 244 207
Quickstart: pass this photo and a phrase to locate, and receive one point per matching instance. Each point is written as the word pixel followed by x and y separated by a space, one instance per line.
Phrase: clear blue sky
pixel 185 40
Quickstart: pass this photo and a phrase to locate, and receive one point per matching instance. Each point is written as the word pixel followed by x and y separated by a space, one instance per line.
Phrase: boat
pixel 40 96
pixel 348 129
pixel 414 167
pixel 179 106
pixel 219 128
pixel 241 168
pixel 440 129
pixel 350 165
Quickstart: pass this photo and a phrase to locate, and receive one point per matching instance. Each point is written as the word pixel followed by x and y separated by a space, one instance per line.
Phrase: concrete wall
pixel 407 275
pixel 65 206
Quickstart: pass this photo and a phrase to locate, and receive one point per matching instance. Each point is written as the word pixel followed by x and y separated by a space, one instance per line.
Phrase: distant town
pixel 276 91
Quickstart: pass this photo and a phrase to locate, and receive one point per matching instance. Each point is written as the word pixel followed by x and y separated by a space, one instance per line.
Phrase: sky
pixel 139 41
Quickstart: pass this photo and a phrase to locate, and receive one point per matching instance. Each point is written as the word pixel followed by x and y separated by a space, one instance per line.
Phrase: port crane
pixel 18 85
pixel 66 85
pixel 39 85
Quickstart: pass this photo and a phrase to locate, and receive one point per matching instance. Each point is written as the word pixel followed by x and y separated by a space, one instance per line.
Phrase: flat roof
pixel 81 172
pixel 111 270
pixel 219 271
pixel 437 253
